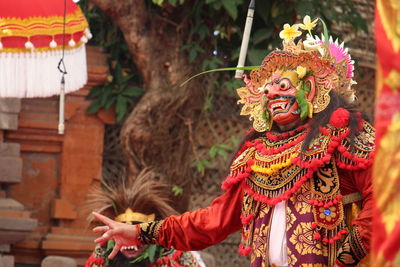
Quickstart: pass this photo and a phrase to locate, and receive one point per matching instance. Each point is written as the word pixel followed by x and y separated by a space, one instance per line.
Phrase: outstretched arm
pixel 190 231
pixel 202 228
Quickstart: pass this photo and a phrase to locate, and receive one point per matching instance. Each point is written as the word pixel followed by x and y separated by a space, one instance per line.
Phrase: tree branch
pixel 132 17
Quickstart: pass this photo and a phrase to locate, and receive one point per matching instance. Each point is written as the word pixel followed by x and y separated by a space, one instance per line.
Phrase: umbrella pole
pixel 63 70
pixel 245 40
pixel 61 107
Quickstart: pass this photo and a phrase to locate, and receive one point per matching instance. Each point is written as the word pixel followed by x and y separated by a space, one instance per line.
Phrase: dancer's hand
pixel 124 235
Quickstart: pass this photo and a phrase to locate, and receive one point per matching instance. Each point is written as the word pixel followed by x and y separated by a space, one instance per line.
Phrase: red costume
pixel 293 185
pixel 314 223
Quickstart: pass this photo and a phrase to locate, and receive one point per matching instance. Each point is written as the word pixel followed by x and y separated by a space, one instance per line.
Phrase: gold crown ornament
pixel 129 217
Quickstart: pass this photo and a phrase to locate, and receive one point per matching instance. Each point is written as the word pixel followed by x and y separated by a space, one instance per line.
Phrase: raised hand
pixel 123 234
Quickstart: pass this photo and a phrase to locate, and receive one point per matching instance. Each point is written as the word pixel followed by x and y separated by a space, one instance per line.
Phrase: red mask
pixel 281 97
pixel 281 100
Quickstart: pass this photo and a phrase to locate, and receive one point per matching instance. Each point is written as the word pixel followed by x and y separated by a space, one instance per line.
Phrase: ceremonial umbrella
pixel 32 34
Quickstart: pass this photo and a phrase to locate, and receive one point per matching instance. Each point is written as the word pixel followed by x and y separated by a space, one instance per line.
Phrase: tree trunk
pixel 156 134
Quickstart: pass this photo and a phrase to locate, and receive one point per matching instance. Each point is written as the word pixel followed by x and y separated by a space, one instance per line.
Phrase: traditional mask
pixel 294 83
pixel 281 92
pixel 131 217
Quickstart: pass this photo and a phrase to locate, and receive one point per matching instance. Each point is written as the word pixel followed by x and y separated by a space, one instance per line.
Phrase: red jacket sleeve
pixel 196 230
pixel 357 243
pixel 361 181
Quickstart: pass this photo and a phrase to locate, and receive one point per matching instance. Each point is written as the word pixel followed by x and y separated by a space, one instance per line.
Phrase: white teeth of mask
pixel 281 105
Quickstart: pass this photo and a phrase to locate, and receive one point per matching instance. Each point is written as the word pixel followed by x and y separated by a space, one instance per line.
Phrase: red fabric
pixel 340 118
pixel 196 230
pixel 45 15
pixel 361 181
pixel 35 8
pixel 386 226
pixel 92 260
pixel 244 251
pixel 339 264
pixel 199 229
pixel 39 40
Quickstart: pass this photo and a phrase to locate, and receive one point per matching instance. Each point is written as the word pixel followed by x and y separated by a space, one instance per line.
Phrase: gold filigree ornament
pixel 328 63
pixel 252 101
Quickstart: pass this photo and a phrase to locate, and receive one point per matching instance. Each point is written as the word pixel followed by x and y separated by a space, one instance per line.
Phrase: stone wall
pixel 15 221
pixel 56 171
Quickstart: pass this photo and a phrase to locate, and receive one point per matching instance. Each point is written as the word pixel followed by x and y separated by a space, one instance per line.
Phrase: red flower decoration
pixel 340 118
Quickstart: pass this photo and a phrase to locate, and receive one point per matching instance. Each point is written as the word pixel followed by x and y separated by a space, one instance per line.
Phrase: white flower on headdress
pixel 313 44
pixel 308 25
pixel 289 32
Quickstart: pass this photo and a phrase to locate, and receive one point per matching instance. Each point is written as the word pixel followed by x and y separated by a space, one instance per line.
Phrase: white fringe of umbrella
pixel 35 74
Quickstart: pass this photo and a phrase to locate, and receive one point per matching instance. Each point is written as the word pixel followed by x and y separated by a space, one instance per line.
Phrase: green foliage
pixel 158 2
pixel 231 6
pixel 256 55
pixel 302 101
pixel 119 93
pixel 211 63
pixel 109 248
pixel 332 11
pixel 260 35
pixel 231 85
pixel 202 165
pixel 171 2
pixel 108 36
pixel 219 150
pixel 326 33
pixel 212 42
pixel 151 252
pixel 265 114
pixel 194 50
pixel 307 87
pixel 177 190
pixel 235 141
pixel 208 103
pixel 122 90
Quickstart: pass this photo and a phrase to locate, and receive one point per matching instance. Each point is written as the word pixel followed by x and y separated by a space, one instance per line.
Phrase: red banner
pixel 386 238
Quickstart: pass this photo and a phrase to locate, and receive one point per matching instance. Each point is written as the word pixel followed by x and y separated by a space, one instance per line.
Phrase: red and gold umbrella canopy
pixel 31 45
pixel 386 235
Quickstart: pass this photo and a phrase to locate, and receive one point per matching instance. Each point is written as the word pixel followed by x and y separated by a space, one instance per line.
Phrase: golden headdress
pixel 132 200
pixel 327 61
